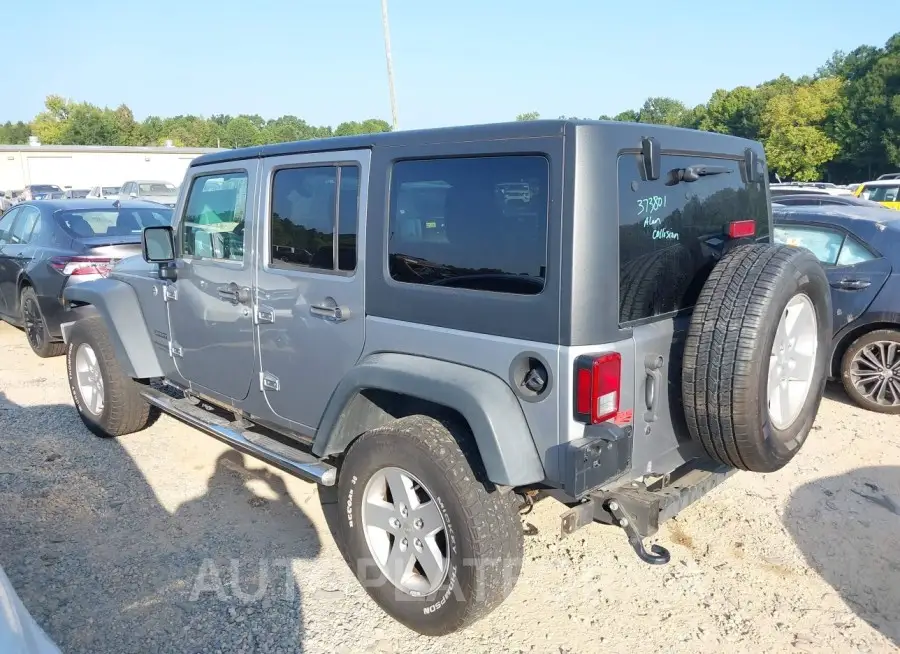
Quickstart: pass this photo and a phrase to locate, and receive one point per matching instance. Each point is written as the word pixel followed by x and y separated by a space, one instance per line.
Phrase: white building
pixel 84 166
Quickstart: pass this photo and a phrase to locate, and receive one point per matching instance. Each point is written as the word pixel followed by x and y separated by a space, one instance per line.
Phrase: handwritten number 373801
pixel 651 204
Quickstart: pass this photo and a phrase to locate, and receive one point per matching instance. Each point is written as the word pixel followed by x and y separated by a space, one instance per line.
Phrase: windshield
pixel 111 190
pixel 110 222
pixel 157 188
pixel 886 193
pixel 45 188
pixel 78 193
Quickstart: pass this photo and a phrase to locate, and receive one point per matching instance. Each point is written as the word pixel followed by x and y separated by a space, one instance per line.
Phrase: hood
pixel 167 200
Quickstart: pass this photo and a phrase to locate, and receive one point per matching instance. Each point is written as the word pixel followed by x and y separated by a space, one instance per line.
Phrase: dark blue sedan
pixel 47 244
pixel 860 249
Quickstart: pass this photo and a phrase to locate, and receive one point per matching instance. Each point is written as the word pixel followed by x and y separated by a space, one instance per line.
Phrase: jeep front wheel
pixel 108 401
pixel 428 540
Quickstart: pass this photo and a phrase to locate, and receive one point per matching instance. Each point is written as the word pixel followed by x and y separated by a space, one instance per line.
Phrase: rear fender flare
pixel 486 402
pixel 117 304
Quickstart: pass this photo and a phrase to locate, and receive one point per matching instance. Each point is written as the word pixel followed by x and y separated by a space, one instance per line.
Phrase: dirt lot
pixel 166 541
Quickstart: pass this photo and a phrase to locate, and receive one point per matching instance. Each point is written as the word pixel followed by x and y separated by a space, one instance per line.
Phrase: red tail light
pixel 598 382
pixel 81 265
pixel 741 229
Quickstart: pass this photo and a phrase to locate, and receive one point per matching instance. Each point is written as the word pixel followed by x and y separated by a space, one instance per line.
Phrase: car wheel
pixel 108 401
pixel 756 356
pixel 36 328
pixel 870 371
pixel 433 544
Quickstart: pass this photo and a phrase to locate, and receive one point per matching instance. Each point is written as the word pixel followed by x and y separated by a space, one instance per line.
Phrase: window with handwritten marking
pixel 672 231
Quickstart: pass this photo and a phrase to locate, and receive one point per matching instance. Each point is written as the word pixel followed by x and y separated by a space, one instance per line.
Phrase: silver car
pixel 151 191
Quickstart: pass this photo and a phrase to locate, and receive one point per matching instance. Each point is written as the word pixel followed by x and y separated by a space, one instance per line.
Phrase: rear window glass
pixel 671 234
pixel 110 222
pixel 478 223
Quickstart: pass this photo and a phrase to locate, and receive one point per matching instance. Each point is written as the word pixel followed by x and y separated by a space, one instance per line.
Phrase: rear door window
pixel 671 233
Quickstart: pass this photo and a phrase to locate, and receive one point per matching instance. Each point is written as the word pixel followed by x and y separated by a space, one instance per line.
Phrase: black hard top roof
pixel 489 132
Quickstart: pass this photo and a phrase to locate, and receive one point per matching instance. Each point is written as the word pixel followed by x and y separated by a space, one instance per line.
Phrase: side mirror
pixel 158 244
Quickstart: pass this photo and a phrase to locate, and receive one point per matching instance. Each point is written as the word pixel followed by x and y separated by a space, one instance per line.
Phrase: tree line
pixel 841 124
pixel 66 122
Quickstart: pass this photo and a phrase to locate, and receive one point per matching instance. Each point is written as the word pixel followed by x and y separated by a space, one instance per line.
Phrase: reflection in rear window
pixel 127 222
pixel 671 234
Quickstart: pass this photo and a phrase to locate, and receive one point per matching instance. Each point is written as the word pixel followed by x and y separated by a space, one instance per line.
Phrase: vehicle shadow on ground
pixel 834 391
pixel 104 567
pixel 848 529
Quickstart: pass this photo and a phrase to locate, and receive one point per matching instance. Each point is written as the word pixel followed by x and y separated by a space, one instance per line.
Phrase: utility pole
pixel 390 63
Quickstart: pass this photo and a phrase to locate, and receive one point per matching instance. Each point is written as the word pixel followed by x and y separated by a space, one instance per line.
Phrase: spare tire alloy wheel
pixel 870 370
pixel 793 361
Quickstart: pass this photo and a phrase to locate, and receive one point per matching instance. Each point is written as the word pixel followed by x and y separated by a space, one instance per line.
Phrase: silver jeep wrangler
pixel 436 326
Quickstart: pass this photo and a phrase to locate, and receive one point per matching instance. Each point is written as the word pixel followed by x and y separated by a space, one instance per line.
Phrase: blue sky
pixel 458 62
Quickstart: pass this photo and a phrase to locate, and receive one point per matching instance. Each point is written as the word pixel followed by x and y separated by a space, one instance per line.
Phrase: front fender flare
pixel 486 402
pixel 117 304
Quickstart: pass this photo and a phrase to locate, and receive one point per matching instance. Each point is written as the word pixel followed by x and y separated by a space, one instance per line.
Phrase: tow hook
pixel 658 555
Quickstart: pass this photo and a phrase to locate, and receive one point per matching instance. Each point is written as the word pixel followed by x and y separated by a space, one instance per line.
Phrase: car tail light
pixel 741 228
pixel 598 382
pixel 82 265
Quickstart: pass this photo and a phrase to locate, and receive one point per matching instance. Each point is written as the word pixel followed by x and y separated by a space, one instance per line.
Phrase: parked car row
pixel 158 191
pixel 507 325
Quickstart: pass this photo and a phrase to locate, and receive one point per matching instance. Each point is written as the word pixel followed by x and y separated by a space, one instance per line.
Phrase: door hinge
pixel 175 350
pixel 264 315
pixel 268 382
pixel 170 293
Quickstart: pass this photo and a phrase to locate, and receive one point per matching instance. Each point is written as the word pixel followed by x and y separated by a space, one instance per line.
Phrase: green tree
pixel 529 115
pixel 14 133
pixel 127 130
pixel 796 143
pixel 664 111
pixel 240 132
pixel 735 112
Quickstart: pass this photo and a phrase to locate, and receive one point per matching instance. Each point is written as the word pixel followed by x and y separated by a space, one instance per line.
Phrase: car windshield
pixel 78 193
pixel 111 222
pixel 883 193
pixel 45 188
pixel 157 188
pixel 111 190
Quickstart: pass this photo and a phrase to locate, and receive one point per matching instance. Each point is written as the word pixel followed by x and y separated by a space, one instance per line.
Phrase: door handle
pixel 330 311
pixel 234 293
pixel 851 284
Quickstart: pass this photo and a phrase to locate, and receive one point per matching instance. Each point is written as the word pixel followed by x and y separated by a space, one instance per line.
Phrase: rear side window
pixel 672 233
pixel 478 223
pixel 831 247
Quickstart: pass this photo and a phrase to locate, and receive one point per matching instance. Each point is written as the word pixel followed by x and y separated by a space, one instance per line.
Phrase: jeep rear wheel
pixel 756 356
pixel 431 543
pixel 107 400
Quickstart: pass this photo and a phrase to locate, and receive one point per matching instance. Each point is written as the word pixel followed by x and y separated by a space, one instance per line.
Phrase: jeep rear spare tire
pixel 434 545
pixel 756 356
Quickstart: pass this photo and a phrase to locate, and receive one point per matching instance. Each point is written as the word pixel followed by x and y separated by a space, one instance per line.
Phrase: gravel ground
pixel 166 541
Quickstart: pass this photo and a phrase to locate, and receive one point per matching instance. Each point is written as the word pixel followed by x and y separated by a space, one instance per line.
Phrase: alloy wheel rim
pixel 405 531
pixel 792 362
pixel 875 372
pixel 34 324
pixel 89 379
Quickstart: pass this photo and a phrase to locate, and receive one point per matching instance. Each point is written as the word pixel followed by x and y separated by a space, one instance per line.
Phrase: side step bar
pixel 291 460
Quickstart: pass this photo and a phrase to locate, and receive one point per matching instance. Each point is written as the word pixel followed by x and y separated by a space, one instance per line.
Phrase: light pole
pixel 390 63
